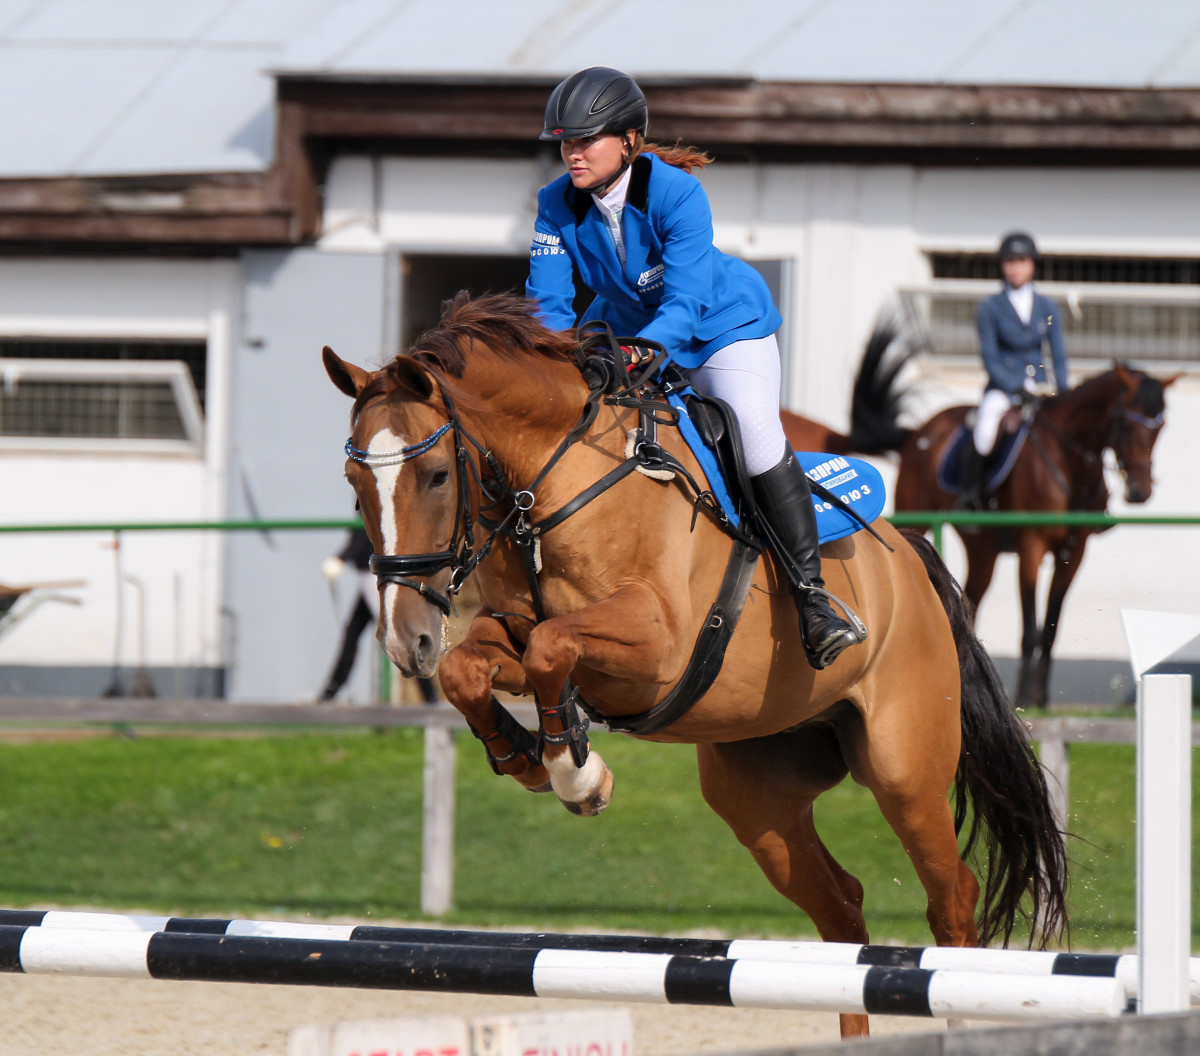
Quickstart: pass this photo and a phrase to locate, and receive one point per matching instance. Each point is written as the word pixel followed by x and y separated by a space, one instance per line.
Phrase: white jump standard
pixel 589 974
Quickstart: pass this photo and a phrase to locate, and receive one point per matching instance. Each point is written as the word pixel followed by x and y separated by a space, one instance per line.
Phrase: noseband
pixel 459 557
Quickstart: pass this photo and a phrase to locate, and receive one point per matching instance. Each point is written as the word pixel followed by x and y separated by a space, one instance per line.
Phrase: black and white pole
pixel 587 974
pixel 1122 967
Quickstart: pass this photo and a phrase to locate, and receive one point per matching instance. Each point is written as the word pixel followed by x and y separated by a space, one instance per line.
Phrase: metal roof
pixel 129 87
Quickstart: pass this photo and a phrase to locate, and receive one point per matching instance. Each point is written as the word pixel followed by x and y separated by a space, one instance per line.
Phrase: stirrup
pixel 854 634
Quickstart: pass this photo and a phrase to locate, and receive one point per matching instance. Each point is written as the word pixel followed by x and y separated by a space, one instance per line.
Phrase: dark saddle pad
pixel 996 468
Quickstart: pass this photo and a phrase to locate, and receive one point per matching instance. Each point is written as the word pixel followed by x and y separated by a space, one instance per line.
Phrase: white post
pixel 1164 840
pixel 437 832
pixel 1056 765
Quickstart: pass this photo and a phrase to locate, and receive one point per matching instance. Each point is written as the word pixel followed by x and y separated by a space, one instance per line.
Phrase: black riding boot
pixel 785 503
pixel 971 495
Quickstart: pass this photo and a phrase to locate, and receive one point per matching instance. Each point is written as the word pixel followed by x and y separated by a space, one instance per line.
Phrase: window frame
pixel 174 372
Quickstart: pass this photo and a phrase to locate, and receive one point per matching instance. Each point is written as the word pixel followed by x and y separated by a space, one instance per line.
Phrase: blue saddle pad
pixel 855 483
pixel 997 467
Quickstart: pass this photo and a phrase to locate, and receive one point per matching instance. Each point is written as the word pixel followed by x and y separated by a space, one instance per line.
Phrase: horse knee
pixel 550 652
pixel 465 676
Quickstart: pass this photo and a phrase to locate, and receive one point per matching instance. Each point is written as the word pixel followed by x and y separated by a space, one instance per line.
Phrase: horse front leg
pixel 486 661
pixel 623 637
pixel 1029 565
pixel 1067 560
pixel 981 565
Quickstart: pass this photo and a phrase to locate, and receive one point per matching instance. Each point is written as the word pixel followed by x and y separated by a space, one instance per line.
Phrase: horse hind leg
pixel 764 790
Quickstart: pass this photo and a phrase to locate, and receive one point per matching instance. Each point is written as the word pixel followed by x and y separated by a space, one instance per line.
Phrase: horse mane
pixel 504 323
pixel 1149 399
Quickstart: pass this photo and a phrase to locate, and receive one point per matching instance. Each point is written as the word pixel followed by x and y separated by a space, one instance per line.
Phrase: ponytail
pixel 682 157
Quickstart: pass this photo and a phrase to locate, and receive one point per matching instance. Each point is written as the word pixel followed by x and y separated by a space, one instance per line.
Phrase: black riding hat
pixel 595 100
pixel 1018 244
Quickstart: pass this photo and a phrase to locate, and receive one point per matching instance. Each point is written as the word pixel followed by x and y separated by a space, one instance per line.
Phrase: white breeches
pixel 992 408
pixel 746 376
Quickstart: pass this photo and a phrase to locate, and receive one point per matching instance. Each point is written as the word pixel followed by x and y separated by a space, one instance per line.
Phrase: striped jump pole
pixel 587 974
pixel 1122 967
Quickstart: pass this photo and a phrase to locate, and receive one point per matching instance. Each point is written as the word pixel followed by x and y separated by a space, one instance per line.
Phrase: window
pixel 112 395
pixel 1137 309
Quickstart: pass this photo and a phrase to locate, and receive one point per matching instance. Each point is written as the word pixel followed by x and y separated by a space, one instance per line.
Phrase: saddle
pixel 662 396
pixel 1014 430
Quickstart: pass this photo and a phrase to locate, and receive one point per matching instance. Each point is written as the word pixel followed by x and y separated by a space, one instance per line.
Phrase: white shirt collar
pixel 1021 300
pixel 613 201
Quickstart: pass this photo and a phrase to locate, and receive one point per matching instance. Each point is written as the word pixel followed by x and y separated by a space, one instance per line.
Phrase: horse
pixel 595 583
pixel 1059 468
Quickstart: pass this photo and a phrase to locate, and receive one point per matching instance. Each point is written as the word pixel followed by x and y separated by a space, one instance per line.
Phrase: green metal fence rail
pixel 936 520
pixel 911 518
pixel 301 524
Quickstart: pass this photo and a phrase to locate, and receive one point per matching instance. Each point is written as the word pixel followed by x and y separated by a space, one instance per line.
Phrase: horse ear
pixel 411 375
pixel 1168 382
pixel 1126 377
pixel 346 376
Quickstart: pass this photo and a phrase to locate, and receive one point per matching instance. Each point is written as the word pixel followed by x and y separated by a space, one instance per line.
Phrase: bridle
pixel 461 556
pixel 1093 458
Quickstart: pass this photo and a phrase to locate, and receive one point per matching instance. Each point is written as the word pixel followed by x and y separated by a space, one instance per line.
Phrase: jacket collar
pixel 637 195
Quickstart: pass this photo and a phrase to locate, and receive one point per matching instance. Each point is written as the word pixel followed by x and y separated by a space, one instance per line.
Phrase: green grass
pixel 330 825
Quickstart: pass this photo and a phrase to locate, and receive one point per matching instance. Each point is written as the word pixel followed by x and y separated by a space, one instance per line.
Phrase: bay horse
pixel 1060 468
pixel 487 428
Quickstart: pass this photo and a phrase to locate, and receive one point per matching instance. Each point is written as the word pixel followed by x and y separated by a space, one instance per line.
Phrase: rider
pixel 1015 327
pixel 632 222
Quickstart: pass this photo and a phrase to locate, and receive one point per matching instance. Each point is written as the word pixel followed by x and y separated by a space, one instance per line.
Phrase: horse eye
pixel 439 478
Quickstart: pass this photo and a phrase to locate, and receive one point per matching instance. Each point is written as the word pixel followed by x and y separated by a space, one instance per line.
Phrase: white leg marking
pixel 576 784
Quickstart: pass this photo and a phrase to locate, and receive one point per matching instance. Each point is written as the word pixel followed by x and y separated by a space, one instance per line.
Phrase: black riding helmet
pixel 1018 244
pixel 595 100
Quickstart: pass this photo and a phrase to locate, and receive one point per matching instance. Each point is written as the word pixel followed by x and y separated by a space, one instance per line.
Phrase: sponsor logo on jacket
pixel 646 278
pixel 544 245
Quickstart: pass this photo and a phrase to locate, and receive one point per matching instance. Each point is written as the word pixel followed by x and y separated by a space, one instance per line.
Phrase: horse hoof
pixel 546 787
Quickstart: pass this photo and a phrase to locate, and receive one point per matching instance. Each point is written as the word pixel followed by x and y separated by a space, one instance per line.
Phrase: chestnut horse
pixel 1060 468
pixel 486 436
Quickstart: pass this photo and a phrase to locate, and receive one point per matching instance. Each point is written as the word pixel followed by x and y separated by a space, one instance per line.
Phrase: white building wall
pixel 179 573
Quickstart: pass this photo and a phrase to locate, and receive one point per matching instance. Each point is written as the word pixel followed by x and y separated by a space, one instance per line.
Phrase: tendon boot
pixel 785 507
pixel 971 495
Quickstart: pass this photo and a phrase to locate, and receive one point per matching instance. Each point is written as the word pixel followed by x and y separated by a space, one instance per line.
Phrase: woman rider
pixel 1016 327
pixel 636 226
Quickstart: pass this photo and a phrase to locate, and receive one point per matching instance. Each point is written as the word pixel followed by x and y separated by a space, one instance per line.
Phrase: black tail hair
pixel 1001 782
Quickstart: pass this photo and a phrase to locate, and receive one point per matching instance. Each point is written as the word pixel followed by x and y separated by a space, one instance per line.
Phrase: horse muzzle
pixel 1136 494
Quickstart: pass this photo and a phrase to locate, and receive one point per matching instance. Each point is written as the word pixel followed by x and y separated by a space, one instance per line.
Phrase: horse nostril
pixel 423 649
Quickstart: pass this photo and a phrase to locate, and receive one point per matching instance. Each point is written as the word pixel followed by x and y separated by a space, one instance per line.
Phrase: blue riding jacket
pixel 1013 351
pixel 675 288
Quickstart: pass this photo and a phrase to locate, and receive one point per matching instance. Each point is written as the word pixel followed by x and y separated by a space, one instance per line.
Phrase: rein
pixel 1092 459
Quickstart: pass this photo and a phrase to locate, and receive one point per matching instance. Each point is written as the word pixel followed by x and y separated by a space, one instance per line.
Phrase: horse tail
pixel 1001 784
pixel 878 398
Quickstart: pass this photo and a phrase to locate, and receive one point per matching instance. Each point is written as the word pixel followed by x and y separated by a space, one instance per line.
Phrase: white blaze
pixel 382 443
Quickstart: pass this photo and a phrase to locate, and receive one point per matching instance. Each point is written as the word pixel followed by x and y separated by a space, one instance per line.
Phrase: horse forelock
pixel 1150 398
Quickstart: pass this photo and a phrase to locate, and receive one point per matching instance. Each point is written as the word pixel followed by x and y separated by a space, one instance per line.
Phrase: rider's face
pixel 1017 271
pixel 593 160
